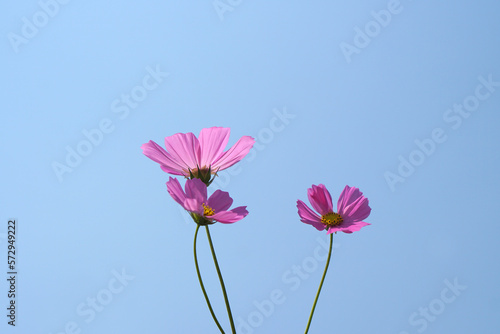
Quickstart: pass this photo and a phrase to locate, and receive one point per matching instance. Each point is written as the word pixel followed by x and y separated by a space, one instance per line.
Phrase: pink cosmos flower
pixel 198 157
pixel 352 208
pixel 205 211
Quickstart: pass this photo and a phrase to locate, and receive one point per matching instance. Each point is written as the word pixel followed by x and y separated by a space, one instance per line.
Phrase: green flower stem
pixel 201 281
pixel 221 282
pixel 321 284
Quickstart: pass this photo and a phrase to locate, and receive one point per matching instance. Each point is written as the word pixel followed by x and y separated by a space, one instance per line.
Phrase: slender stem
pixel 321 284
pixel 201 281
pixel 221 282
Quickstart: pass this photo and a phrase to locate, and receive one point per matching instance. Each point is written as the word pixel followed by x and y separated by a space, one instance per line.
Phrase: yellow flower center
pixel 208 211
pixel 331 219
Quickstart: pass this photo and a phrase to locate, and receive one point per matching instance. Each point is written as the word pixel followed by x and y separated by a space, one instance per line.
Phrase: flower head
pixel 205 211
pixel 198 157
pixel 352 208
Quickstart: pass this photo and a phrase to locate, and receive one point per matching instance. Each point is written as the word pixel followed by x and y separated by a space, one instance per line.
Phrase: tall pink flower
pixel 198 157
pixel 352 208
pixel 205 211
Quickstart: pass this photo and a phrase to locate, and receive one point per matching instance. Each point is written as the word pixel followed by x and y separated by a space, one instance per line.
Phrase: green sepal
pixel 200 220
pixel 204 175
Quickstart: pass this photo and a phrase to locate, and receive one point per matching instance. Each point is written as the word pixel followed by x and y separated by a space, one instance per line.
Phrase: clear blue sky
pixel 398 98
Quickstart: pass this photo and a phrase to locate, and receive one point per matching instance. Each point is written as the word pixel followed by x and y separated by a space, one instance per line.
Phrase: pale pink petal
pixel 184 149
pixel 220 201
pixel 172 171
pixel 232 216
pixel 212 143
pixel 320 199
pixel 197 190
pixel 156 153
pixel 175 190
pixel 308 216
pixel 237 152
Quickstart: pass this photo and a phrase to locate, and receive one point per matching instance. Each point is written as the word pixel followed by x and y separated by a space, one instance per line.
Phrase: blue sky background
pixel 352 117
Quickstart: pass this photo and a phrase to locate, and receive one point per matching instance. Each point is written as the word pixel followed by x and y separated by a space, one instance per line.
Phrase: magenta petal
pixel 175 190
pixel 347 227
pixel 156 153
pixel 352 205
pixel 195 196
pixel 190 200
pixel 212 143
pixel 193 205
pixel 228 217
pixel 240 210
pixel 353 227
pixel 308 216
pixel 348 195
pixel 358 210
pixel 184 149
pixel 331 230
pixel 220 201
pixel 197 190
pixel 320 199
pixel 237 152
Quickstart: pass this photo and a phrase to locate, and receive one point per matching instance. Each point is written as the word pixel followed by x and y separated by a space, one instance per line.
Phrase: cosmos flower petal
pixel 197 190
pixel 358 210
pixel 348 229
pixel 184 149
pixel 308 216
pixel 320 199
pixel 352 206
pixel 212 142
pixel 185 153
pixel 240 210
pixel 193 205
pixel 195 196
pixel 220 201
pixel 237 152
pixel 169 170
pixel 348 195
pixel 232 216
pixel 156 153
pixel 175 190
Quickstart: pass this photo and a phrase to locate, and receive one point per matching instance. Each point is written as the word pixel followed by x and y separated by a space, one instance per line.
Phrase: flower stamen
pixel 332 219
pixel 207 211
